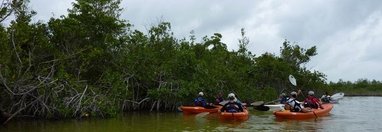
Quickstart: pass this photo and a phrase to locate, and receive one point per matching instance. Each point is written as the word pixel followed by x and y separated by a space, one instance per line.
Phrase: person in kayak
pixel 219 98
pixel 283 98
pixel 295 106
pixel 233 105
pixel 325 98
pixel 200 101
pixel 236 98
pixel 312 102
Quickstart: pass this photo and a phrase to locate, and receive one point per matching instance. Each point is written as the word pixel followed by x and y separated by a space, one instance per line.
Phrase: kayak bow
pixel 198 109
pixel 235 116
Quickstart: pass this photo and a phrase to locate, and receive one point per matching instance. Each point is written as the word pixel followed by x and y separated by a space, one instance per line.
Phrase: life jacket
pixel 232 107
pixel 200 101
pixel 296 107
pixel 311 102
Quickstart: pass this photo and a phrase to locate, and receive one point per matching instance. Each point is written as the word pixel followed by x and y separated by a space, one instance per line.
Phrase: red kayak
pixel 198 109
pixel 235 116
pixel 286 114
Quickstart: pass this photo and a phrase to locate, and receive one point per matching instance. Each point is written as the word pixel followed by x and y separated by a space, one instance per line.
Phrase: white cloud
pixel 49 8
pixel 354 53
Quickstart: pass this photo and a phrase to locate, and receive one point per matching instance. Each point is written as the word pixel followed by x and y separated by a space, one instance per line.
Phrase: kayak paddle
pixel 292 80
pixel 259 105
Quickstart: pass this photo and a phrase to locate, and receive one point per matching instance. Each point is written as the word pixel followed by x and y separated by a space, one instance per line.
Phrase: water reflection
pixel 343 117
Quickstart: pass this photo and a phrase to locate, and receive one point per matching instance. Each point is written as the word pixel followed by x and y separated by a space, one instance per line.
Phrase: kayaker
pixel 295 106
pixel 236 97
pixel 233 105
pixel 312 101
pixel 283 98
pixel 219 98
pixel 325 98
pixel 200 101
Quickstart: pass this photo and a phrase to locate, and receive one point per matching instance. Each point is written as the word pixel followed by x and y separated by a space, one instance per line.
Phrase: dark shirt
pixel 218 100
pixel 200 101
pixel 284 100
pixel 232 106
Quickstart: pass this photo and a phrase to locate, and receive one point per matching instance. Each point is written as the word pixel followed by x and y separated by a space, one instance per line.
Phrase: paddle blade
pixel 261 108
pixel 223 102
pixel 257 103
pixel 337 96
pixel 292 80
pixel 179 109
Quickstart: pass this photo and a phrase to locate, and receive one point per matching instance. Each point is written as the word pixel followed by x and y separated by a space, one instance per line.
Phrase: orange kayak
pixel 235 116
pixel 198 109
pixel 286 114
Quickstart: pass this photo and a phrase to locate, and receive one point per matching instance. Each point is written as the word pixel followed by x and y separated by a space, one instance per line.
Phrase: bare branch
pixel 80 100
pixel 14 47
pixel 14 114
pixel 5 83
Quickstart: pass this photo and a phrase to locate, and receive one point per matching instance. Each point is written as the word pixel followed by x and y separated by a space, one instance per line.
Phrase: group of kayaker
pixel 292 104
pixel 232 105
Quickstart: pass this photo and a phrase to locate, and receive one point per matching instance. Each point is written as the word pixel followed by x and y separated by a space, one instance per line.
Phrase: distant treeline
pixel 361 87
pixel 92 62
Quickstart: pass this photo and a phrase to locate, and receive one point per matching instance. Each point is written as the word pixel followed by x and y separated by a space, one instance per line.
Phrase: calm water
pixel 352 114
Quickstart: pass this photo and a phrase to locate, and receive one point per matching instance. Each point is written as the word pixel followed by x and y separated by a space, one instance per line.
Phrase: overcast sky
pixel 347 33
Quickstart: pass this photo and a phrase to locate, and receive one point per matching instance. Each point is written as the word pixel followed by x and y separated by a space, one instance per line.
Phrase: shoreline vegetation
pixel 364 95
pixel 92 63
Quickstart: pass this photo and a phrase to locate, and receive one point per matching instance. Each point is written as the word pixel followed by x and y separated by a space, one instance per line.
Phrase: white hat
pixel 293 93
pixel 201 93
pixel 231 95
pixel 311 93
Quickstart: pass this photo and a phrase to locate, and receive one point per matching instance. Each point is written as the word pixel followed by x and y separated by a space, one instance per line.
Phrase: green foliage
pixel 295 55
pixel 361 87
pixel 9 7
pixel 271 71
pixel 90 35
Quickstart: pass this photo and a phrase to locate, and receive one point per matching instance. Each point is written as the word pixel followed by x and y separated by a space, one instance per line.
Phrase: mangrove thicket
pixel 92 61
